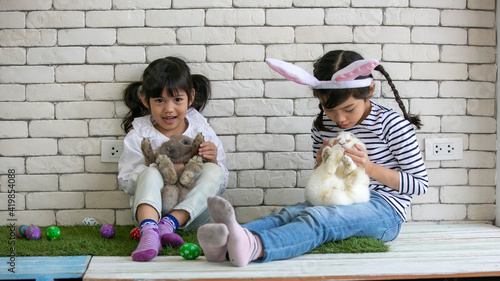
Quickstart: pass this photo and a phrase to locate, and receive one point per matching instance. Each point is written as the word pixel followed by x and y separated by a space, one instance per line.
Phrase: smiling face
pixel 169 111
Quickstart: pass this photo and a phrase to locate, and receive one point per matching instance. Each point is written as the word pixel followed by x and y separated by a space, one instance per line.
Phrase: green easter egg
pixel 53 233
pixel 190 251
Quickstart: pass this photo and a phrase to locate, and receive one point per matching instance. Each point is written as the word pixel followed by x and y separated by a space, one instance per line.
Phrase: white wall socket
pixel 443 149
pixel 111 150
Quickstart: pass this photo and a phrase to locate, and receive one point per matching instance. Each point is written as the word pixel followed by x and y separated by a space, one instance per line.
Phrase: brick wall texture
pixel 63 65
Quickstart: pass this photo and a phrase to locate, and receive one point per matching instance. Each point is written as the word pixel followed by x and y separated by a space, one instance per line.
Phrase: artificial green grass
pixel 85 240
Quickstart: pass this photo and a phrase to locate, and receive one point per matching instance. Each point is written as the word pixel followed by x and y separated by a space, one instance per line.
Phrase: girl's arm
pixel 131 163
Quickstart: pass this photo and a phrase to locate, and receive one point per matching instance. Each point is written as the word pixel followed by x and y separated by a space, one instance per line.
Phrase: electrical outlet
pixel 111 150
pixel 443 149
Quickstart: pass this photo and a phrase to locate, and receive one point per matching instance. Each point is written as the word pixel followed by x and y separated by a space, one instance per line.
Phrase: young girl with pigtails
pixel 167 102
pixel 343 84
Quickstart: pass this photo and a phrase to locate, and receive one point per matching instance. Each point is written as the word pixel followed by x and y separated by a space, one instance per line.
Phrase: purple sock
pixel 149 243
pixel 168 225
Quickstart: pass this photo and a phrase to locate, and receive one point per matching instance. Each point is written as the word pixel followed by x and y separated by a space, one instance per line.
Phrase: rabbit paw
pixel 191 171
pixel 166 168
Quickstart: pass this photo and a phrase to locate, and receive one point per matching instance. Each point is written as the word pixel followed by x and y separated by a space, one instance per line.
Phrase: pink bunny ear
pixel 292 72
pixel 355 69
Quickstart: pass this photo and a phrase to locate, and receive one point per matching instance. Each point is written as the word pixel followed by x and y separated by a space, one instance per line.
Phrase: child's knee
pixel 211 172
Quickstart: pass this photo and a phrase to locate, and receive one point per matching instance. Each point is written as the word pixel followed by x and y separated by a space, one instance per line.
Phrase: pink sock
pixel 242 246
pixel 213 240
pixel 167 226
pixel 149 244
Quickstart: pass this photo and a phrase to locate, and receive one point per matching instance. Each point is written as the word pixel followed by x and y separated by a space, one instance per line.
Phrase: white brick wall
pixel 63 65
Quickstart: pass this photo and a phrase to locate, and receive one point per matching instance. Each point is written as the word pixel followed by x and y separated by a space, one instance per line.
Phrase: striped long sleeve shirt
pixel 390 142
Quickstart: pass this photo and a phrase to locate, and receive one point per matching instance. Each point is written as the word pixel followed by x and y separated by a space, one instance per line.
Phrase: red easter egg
pixel 135 233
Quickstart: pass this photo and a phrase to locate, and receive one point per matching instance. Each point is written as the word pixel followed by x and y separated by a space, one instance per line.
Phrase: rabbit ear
pixel 292 72
pixel 355 69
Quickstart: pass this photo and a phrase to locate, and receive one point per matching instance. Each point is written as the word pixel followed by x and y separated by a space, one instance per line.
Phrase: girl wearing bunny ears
pixel 343 84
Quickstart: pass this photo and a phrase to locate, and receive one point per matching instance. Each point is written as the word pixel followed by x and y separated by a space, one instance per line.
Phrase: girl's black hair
pixel 332 62
pixel 170 73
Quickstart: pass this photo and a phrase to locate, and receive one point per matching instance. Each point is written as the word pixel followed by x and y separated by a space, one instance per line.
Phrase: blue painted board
pixel 43 268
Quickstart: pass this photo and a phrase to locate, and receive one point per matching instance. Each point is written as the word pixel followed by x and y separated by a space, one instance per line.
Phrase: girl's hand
pixel 319 159
pixel 208 150
pixel 358 156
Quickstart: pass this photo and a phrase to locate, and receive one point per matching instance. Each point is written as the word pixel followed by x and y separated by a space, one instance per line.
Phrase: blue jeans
pixel 298 229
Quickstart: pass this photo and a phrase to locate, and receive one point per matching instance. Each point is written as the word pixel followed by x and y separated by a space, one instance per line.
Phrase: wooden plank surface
pixel 421 251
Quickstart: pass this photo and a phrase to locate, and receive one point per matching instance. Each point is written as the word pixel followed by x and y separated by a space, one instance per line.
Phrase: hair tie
pixel 342 79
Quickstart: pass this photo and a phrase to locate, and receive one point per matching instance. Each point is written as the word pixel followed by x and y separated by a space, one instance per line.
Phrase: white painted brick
pixel 468 54
pixel 481 212
pixel 237 89
pixel 58 55
pixel 298 16
pixel 182 18
pixel 380 3
pixel 18 205
pixel 124 217
pixel 253 70
pixel 350 16
pixel 105 55
pixel 54 200
pixel 146 36
pixel 105 127
pixel 468 124
pixel 82 5
pixel 9 163
pixel 295 52
pixel 288 160
pixel 266 178
pixel 129 72
pixel 264 35
pixel 206 35
pixel 412 89
pixel 382 34
pixel 219 108
pixel 438 106
pixel 482 37
pixel 58 128
pixel 482 176
pixel 9 5
pixel 141 4
pixel 439 212
pixel 228 53
pixel 28 147
pixel 39 218
pixel 284 196
pixel 457 89
pixel 264 142
pixel 84 73
pixel 467 194
pixel 11 92
pixel 245 161
pixel 308 107
pixel 121 109
pixel 481 4
pixel 263 107
pixel 482 142
pixel 248 214
pixel 88 36
pixel 289 125
pixel 79 146
pixel 244 197
pixel 235 17
pixel 481 107
pixel 439 35
pixel 55 19
pixel 213 71
pixel 81 110
pixel 83 182
pixel 239 125
pixel 431 196
pixel 179 4
pixel 369 51
pixel 75 217
pixel 285 89
pixel 303 143
pixel 189 53
pixel 323 34
pixel 114 18
pixel 468 18
pixel 27 110
pixel 13 129
pixel 55 92
pixel 27 37
pixel 107 200
pixel 483 72
pixel 446 4
pixel 93 164
pixel 439 71
pixel 427 17
pixel 229 143
pixel 26 183
pixel 264 3
pixel 472 159
pixel 26 74
pixel 410 53
pixel 12 20
pixel 104 91
pixel 303 176
pixel 432 124
pixel 438 177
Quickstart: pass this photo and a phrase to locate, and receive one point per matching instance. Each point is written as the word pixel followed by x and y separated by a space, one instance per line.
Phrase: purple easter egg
pixel 107 231
pixel 33 232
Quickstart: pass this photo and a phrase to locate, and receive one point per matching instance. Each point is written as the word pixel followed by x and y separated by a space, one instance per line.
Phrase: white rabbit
pixel 338 181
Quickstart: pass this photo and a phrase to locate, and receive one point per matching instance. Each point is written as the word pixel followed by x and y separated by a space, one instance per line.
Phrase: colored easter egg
pixel 53 233
pixel 90 221
pixel 33 232
pixel 190 251
pixel 107 231
pixel 21 231
pixel 135 233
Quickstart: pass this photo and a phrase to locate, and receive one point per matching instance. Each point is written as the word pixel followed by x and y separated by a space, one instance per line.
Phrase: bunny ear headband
pixel 342 79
